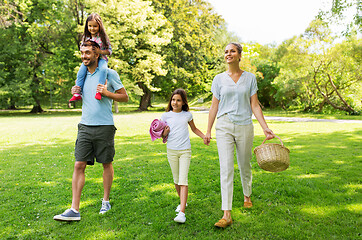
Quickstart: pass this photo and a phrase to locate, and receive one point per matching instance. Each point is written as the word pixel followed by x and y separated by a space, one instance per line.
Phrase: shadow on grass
pixel 317 197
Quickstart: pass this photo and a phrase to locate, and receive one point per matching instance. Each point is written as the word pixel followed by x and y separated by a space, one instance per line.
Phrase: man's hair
pixel 90 43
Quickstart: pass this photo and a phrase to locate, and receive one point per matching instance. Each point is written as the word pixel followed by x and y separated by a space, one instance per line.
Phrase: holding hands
pixel 207 138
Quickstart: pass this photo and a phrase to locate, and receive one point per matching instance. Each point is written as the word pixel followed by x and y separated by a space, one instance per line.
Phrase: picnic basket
pixel 272 157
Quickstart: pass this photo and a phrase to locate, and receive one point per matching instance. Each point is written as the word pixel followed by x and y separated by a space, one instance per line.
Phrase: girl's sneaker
pixel 76 97
pixel 179 208
pixel 98 96
pixel 180 218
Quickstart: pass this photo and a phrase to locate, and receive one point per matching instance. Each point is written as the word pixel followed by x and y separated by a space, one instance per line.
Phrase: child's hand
pixel 96 50
pixel 166 131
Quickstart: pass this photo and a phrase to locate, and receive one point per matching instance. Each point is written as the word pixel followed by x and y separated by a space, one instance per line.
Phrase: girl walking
pixel 94 31
pixel 178 118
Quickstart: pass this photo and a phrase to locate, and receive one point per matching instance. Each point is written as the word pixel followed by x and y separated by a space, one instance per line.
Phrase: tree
pixel 42 41
pixel 314 74
pixel 337 77
pixel 266 70
pixel 192 56
pixel 337 15
pixel 34 32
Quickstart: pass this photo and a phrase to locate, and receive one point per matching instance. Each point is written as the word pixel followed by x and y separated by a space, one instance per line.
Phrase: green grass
pixel 317 197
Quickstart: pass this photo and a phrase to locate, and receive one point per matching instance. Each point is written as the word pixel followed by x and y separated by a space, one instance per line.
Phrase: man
pixel 96 129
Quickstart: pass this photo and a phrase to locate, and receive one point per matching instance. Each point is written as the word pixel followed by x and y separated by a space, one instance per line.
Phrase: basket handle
pixel 278 138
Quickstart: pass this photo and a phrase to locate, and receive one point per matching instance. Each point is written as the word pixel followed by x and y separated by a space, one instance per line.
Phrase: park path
pixel 292 119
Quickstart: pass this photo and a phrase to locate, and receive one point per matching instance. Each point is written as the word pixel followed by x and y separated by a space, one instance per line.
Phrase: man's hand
pixel 75 89
pixel 102 89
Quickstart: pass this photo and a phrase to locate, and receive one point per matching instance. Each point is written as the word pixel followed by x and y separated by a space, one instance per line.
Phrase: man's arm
pixel 119 95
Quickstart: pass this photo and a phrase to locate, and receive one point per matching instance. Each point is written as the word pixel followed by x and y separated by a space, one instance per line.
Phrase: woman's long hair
pixel 102 32
pixel 182 93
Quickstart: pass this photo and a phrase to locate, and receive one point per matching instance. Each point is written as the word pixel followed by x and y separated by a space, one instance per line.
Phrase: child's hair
pixel 182 93
pixel 91 43
pixel 102 32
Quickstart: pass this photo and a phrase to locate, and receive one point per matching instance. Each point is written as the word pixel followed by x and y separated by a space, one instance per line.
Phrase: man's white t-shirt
pixel 178 138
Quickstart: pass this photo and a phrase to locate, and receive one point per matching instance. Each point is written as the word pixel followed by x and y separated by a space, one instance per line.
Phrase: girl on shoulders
pixel 178 118
pixel 94 31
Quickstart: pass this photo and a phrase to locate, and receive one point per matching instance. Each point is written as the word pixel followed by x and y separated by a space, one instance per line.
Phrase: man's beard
pixel 90 62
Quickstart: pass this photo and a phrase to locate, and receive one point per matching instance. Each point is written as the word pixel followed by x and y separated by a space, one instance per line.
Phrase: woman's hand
pixel 207 138
pixel 269 134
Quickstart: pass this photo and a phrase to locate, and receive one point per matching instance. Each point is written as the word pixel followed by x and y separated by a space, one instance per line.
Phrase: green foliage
pixel 38 52
pixel 193 53
pixel 314 72
pixel 267 91
pixel 157 46
pixel 336 15
pixel 161 45
pixel 264 65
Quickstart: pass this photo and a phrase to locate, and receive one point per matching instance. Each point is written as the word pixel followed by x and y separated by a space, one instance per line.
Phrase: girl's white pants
pixel 229 135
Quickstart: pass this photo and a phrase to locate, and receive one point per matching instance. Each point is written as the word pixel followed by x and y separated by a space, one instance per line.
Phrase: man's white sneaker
pixel 180 218
pixel 106 206
pixel 69 215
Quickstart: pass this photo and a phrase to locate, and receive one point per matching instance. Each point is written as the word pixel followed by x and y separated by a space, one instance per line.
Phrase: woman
pixel 233 102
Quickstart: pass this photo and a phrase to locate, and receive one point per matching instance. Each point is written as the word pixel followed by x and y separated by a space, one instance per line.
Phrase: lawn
pixel 317 197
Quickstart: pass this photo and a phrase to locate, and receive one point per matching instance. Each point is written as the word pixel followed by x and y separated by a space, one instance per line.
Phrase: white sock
pixel 74 210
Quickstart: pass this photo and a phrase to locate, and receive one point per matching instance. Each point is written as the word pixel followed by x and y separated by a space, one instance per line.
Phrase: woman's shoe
pixel 248 204
pixel 223 223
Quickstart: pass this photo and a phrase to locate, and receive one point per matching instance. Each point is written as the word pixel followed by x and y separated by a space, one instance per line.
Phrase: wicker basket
pixel 272 157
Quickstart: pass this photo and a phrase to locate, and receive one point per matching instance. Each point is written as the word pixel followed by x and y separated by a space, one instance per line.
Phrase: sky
pixel 268 21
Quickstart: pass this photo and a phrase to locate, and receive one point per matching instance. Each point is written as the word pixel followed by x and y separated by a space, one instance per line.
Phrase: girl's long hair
pixel 183 95
pixel 102 32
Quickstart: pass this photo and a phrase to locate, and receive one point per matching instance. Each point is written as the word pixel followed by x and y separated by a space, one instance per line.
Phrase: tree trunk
pixel 346 106
pixel 35 86
pixel 37 109
pixel 145 98
pixel 116 110
pixel 12 107
pixel 321 105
